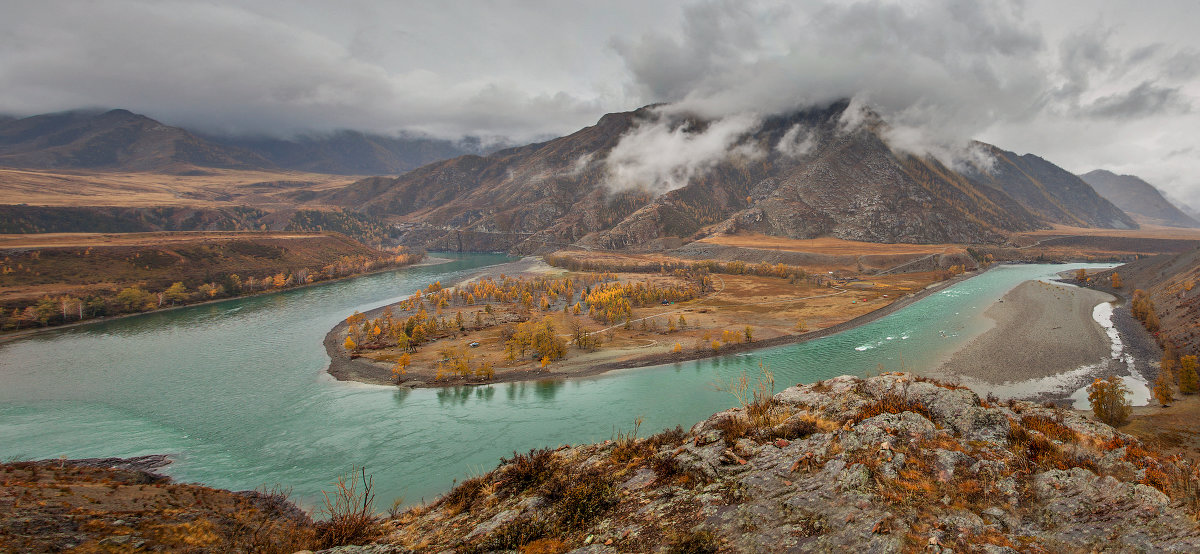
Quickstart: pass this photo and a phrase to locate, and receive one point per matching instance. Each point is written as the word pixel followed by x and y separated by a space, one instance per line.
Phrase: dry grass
pixel 216 187
pixel 165 516
pixel 349 509
pixel 1146 231
pixel 829 245
pixel 892 403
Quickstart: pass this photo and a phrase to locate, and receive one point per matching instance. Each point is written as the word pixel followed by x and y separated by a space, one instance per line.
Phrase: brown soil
pixel 1172 430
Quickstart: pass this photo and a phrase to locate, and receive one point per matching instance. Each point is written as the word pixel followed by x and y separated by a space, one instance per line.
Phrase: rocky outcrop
pixel 886 464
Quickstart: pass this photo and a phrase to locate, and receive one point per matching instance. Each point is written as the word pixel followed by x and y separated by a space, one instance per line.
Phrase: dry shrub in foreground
pixel 351 519
pixel 1052 429
pixel 525 471
pixel 892 403
pixel 757 399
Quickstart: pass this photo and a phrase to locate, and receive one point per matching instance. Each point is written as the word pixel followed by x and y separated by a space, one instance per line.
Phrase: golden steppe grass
pixel 205 188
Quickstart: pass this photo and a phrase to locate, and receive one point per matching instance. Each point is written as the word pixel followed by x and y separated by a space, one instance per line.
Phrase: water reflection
pixel 547 389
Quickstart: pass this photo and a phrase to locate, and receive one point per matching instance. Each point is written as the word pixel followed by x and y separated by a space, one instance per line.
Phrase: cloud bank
pixel 1086 84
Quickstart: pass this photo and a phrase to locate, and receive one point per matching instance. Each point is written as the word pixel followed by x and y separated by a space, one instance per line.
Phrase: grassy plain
pixel 830 245
pixel 200 188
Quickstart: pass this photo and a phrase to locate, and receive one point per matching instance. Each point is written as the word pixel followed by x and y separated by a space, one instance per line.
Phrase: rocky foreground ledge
pixel 895 463
pixel 885 464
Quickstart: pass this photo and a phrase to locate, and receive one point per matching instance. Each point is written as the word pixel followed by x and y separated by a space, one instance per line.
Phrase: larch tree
pixel 1189 381
pixel 1162 388
pixel 1107 397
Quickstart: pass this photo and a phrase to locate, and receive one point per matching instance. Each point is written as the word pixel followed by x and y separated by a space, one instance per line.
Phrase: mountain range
pixel 122 140
pixel 801 175
pixel 646 180
pixel 114 139
pixel 1138 198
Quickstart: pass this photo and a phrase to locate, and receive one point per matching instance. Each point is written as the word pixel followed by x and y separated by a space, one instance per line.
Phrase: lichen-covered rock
pixel 886 464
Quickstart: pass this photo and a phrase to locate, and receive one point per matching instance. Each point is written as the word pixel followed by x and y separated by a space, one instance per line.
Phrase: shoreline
pixel 14 335
pixel 1049 340
pixel 344 368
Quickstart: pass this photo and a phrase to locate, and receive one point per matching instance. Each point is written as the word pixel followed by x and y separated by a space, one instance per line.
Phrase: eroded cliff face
pixel 889 463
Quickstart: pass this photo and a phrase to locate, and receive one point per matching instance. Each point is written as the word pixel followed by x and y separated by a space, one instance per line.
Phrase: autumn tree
pixel 401 366
pixel 1107 397
pixel 1189 381
pixel 1081 275
pixel 1162 388
pixel 1116 280
pixel 134 299
pixel 176 293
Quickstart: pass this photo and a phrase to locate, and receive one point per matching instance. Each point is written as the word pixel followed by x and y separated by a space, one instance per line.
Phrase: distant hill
pixel 1049 191
pixel 125 141
pixel 356 153
pixel 839 181
pixel 115 139
pixel 1140 199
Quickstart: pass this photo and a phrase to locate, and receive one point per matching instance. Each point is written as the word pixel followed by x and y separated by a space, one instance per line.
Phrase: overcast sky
pixel 1087 84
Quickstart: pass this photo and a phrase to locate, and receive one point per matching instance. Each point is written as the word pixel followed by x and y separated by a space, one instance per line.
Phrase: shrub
pixel 694 542
pixel 348 506
pixel 733 428
pixel 526 471
pixel 1052 429
pixel 892 403
pixel 757 398
pixel 792 429
pixel 511 535
pixel 580 498
pixel 1107 397
pixel 668 437
pixel 464 496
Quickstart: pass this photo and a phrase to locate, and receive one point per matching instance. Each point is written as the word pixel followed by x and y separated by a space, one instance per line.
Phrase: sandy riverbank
pixel 585 364
pixel 1041 329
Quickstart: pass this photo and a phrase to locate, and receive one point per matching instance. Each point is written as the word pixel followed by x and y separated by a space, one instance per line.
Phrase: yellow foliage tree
pixel 401 366
pixel 1189 382
pixel 1116 280
pixel 1107 397
pixel 350 344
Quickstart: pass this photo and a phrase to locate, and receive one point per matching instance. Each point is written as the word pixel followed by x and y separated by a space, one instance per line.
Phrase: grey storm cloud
pixel 1084 83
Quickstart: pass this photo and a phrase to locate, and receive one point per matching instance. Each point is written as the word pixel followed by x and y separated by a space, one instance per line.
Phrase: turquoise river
pixel 237 392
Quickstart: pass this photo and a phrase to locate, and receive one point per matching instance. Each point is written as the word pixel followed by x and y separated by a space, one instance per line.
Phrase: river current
pixel 237 392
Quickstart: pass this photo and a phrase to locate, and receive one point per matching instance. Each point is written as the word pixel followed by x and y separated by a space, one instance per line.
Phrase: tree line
pixel 53 310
